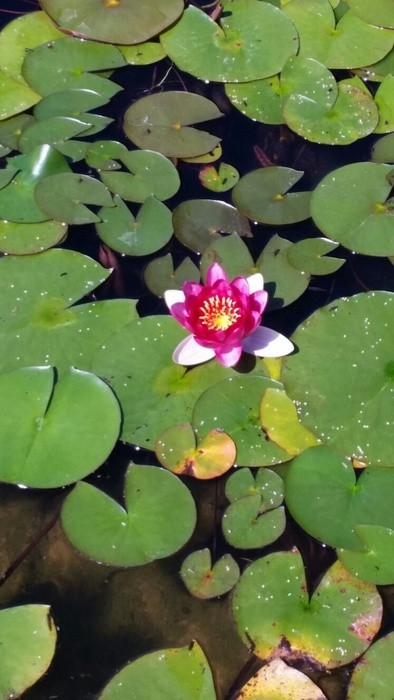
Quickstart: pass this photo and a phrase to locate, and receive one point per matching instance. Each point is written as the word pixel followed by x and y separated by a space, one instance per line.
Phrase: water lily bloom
pixel 224 319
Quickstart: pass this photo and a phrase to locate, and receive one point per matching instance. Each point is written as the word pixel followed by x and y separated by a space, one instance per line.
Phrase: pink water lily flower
pixel 224 320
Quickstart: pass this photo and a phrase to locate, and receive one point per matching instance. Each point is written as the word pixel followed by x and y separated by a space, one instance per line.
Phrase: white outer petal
pixel 255 282
pixel 173 296
pixel 189 352
pixel 265 342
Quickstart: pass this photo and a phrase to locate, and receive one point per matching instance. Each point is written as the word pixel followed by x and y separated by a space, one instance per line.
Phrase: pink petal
pixel 229 358
pixel 192 289
pixel 214 273
pixel 255 283
pixel 189 352
pixel 173 296
pixel 265 342
pixel 241 284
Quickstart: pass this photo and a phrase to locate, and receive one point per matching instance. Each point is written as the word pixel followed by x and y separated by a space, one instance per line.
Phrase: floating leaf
pixel 375 563
pixel 105 531
pixel 69 63
pixel 150 173
pixel 324 498
pixel 75 103
pixel 233 406
pixel 378 71
pixel 385 100
pixel 231 253
pixel 177 450
pixel 219 180
pixel 277 680
pixel 104 155
pixel 349 44
pixel 206 581
pixel 231 52
pixel 38 326
pixel 279 421
pixel 271 604
pixel 283 282
pixel 159 274
pixel 160 123
pixel 77 419
pixel 346 355
pixel 53 131
pixel 15 97
pixel 373 674
pixel 173 673
pixel 307 255
pixel 25 239
pixel 114 21
pixel 61 196
pixel 197 222
pixel 149 231
pixel 253 519
pixel 27 632
pixel 262 196
pixel 381 13
pixel 210 157
pixel 383 150
pixel 360 219
pixel 10 131
pixel 17 200
pixel 142 54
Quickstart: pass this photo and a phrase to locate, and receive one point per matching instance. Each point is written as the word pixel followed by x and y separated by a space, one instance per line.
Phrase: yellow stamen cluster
pixel 219 313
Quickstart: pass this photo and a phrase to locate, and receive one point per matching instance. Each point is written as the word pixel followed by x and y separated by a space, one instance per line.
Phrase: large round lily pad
pixel 27 632
pixel 161 122
pixel 114 21
pixel 271 605
pixel 25 239
pixel 342 376
pixel 253 40
pixel 65 430
pixel 63 196
pixel 349 205
pixel 168 673
pixel 130 536
pixel 380 13
pixel 375 562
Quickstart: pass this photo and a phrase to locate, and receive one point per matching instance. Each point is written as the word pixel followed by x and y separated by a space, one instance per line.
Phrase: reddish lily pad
pixel 219 180
pixel 206 581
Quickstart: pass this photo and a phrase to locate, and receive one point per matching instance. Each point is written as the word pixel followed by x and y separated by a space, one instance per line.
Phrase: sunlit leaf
pixel 373 674
pixel 375 562
pixel 197 222
pixel 276 680
pixel 63 197
pixel 262 195
pixel 160 275
pixel 206 581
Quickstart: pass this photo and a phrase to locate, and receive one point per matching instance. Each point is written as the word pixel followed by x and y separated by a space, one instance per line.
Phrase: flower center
pixel 219 313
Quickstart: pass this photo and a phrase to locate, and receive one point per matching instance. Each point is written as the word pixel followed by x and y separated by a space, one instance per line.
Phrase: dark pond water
pixel 108 616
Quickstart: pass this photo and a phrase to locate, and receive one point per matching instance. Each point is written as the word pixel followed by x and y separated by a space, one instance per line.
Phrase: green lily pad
pixel 385 101
pixel 279 421
pixel 74 103
pixel 15 97
pixel 210 157
pixel 150 173
pixel 28 632
pixel 114 21
pixel 383 150
pixel 197 222
pixel 104 155
pixel 142 54
pixel 149 231
pixel 53 131
pixel 263 100
pixel 25 239
pixel 38 326
pixel 352 115
pixel 373 675
pixel 233 406
pixel 231 253
pixel 68 63
pixel 128 536
pixel 229 52
pixel 324 498
pixel 160 275
pixel 262 196
pixel 160 122
pixel 360 219
pixel 349 44
pixel 137 362
pixel 341 378
pixel 17 200
pixel 21 35
pixel 173 673
pixel 375 563
pixel 79 406
pixel 177 449
pixel 283 282
pixel 277 681
pixel 61 196
pixel 219 180
pixel 206 581
pixel 381 13
pixel 271 604
pixel 255 517
pixel 11 129
pixel 307 255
